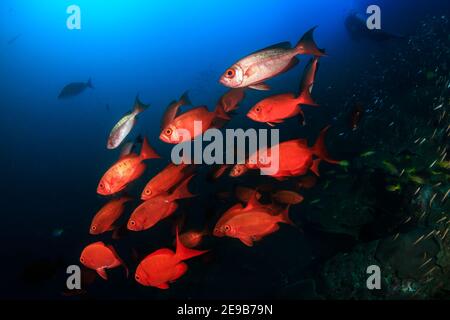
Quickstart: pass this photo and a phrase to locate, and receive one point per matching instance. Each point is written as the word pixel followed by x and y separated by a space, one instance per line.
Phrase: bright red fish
pixel 155 209
pixel 166 179
pixel 175 132
pixel 99 257
pixel 104 219
pixel 294 157
pixel 164 266
pixel 277 108
pixel 251 223
pixel 125 170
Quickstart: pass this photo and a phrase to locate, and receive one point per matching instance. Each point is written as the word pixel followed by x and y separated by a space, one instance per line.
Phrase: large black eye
pixel 230 73
pixel 101 185
pixel 168 131
pixel 258 109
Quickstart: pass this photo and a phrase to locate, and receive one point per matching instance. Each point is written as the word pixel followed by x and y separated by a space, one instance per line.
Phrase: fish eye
pixel 168 131
pixel 148 191
pixel 132 222
pixel 227 228
pixel 82 260
pixel 101 185
pixel 137 277
pixel 258 109
pixel 94 228
pixel 230 73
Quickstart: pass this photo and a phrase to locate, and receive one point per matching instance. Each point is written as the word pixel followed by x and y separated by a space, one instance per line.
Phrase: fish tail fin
pixel 284 216
pixel 89 83
pixel 319 148
pixel 315 167
pixel 147 151
pixel 307 45
pixel 182 191
pixel 220 112
pixel 184 253
pixel 122 263
pixel 139 106
pixel 185 100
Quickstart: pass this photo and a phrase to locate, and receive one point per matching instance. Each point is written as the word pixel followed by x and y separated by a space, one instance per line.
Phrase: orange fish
pixel 165 180
pixel 193 238
pixel 125 170
pixel 184 123
pixel 230 100
pixel 164 266
pixel 99 257
pixel 151 211
pixel 244 194
pixel 251 223
pixel 104 219
pixel 294 157
pixel 276 109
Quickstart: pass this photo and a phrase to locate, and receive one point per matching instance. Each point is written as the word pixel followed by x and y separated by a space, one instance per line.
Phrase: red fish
pixel 166 179
pixel 155 209
pixel 125 170
pixel 172 110
pixel 99 257
pixel 287 197
pixel 175 131
pixel 267 63
pixel 104 219
pixel 276 109
pixel 230 100
pixel 294 157
pixel 217 172
pixel 193 238
pixel 165 266
pixel 251 223
pixel 244 194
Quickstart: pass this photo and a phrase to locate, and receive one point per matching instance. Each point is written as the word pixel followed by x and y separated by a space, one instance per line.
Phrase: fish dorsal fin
pixel 302 142
pixel 281 45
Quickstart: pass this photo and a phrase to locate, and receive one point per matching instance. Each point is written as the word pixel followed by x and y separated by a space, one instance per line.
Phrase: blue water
pixel 53 151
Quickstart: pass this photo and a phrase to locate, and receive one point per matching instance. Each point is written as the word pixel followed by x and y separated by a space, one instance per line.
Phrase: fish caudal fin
pixel 184 100
pixel 139 106
pixel 182 191
pixel 220 112
pixel 307 45
pixel 319 148
pixel 306 98
pixel 147 151
pixel 184 253
pixel 89 84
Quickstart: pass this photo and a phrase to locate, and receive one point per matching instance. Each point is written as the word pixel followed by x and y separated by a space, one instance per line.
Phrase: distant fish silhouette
pixel 357 28
pixel 74 89
pixel 13 39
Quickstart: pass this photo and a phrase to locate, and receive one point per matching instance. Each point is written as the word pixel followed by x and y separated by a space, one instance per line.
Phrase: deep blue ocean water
pixel 53 151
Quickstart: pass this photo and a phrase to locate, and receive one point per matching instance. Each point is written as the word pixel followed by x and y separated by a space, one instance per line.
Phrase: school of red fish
pixel 249 220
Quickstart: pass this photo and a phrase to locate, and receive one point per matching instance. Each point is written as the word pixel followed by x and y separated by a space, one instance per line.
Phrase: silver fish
pixel 267 63
pixel 124 126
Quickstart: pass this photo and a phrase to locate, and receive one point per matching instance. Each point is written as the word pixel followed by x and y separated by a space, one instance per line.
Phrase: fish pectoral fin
pixel 271 124
pixel 163 286
pixel 260 86
pixel 247 241
pixel 102 273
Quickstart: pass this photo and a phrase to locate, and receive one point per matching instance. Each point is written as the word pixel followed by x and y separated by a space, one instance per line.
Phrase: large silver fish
pixel 267 63
pixel 124 126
